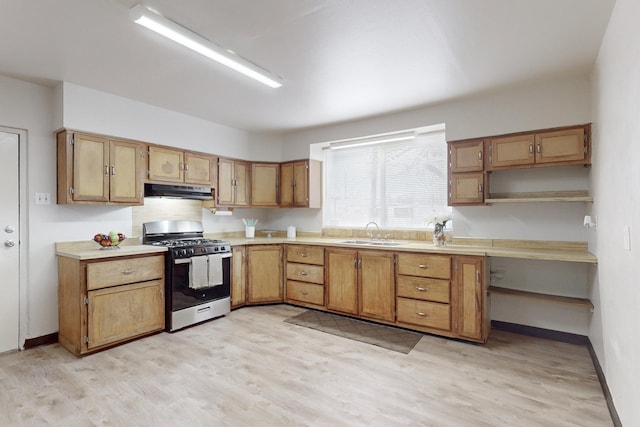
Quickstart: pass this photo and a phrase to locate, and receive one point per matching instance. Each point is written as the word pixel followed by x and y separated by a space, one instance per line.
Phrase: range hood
pixel 177 191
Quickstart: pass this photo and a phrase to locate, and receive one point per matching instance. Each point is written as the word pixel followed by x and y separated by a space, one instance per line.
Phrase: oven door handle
pixel 188 260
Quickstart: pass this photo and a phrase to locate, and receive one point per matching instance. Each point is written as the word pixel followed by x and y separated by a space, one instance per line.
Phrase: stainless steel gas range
pixel 197 272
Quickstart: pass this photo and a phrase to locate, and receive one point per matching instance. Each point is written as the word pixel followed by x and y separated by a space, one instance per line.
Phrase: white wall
pixel 616 190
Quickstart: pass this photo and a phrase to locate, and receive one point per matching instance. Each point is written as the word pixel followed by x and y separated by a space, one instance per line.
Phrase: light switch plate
pixel 43 198
pixel 627 237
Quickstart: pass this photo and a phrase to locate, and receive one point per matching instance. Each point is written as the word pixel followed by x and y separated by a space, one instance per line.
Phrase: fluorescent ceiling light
pixel 360 142
pixel 163 26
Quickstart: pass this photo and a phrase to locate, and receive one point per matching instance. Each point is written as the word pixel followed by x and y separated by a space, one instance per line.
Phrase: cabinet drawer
pixel 437 266
pixel 305 273
pixel 305 292
pixel 122 271
pixel 305 254
pixel 424 289
pixel 424 313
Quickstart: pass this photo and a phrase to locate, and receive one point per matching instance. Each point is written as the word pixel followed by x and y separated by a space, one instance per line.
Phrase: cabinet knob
pixel 304 254
pixel 303 273
pixel 421 289
pixel 421 314
pixel 304 292
pixel 128 271
pixel 423 266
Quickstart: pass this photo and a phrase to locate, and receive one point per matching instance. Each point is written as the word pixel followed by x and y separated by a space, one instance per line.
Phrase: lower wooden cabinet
pixel 264 274
pixel 238 277
pixel 361 283
pixel 103 302
pixel 471 307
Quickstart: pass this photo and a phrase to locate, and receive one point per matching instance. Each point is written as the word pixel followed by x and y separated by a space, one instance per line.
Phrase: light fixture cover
pixel 167 28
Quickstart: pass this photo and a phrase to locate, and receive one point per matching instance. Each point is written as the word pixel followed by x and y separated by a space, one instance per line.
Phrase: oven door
pixel 181 296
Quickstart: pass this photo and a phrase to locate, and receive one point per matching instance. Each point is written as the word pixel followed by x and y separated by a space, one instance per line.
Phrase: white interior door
pixel 9 241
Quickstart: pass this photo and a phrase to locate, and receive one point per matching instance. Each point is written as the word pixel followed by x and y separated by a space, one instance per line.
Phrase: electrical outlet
pixel 43 198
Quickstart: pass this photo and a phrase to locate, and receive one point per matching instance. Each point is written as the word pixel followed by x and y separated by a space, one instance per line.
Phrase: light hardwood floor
pixel 252 369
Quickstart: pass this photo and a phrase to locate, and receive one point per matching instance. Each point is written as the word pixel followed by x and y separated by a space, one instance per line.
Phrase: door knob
pixel 9 229
pixel 9 243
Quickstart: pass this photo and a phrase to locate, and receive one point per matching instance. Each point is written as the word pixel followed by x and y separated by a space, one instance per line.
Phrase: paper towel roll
pixel 291 232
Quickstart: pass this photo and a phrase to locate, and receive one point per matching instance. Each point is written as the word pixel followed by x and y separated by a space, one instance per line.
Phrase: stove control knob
pixel 183 251
pixel 192 251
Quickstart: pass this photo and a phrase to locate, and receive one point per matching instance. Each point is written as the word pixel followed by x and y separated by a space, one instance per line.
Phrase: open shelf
pixel 577 302
pixel 540 197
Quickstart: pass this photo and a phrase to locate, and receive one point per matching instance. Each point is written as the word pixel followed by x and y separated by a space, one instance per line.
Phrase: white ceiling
pixel 340 59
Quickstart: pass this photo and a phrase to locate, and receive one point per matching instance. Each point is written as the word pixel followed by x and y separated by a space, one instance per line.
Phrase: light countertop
pixel 482 247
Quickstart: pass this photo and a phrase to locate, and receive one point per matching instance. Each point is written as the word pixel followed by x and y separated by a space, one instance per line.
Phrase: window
pixel 396 184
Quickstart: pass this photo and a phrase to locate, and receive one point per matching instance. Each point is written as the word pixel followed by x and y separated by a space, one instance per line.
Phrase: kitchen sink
pixel 372 242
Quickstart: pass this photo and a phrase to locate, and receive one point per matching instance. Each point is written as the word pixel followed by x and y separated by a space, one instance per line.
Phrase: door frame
pixel 22 235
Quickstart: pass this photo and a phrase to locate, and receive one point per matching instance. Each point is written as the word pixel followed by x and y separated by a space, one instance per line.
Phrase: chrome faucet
pixel 377 237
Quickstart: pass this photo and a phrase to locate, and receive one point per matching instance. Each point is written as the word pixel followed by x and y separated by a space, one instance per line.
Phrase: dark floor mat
pixel 388 337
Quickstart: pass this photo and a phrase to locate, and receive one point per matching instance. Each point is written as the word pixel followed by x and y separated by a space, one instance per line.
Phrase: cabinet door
pixel 166 165
pixel 264 184
pixel 342 280
pixel 466 156
pixel 376 285
pixel 286 185
pixel 226 182
pixel 242 183
pixel 198 169
pixel 126 172
pixel 469 295
pixel 511 151
pixel 91 168
pixel 238 277
pixel 300 184
pixel 466 188
pixel 122 312
pixel 560 146
pixel 264 274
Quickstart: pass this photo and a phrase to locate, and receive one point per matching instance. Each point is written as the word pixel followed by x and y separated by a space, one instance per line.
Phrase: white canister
pixel 291 232
pixel 249 232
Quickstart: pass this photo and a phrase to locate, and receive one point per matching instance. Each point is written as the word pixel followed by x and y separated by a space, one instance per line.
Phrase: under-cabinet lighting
pixel 361 142
pixel 187 38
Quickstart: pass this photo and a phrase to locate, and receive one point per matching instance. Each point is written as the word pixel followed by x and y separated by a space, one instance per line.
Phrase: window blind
pixel 397 184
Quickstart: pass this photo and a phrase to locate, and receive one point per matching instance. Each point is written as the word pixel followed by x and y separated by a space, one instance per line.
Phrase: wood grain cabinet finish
pixel 471 307
pixel 305 275
pixel 265 178
pixel 238 277
pixel 170 165
pixel 361 283
pixel 94 169
pixel 467 188
pixel 106 302
pixel 554 147
pixel 234 179
pixel 264 274
pixel 466 156
pixel 424 292
pixel 301 184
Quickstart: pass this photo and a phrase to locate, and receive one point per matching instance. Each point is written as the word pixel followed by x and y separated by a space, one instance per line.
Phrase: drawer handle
pixel 304 254
pixel 421 289
pixel 304 292
pixel 421 314
pixel 423 266
pixel 303 273
pixel 128 271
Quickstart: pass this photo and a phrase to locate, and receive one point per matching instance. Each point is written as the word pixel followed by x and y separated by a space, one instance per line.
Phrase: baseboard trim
pixel 43 340
pixel 532 331
pixel 603 383
pixel 569 338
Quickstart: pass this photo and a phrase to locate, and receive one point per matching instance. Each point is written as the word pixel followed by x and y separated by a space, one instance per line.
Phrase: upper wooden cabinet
pixel 233 182
pixel 98 170
pixel 265 178
pixel 472 161
pixel 562 146
pixel 466 156
pixel 177 166
pixel 301 184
